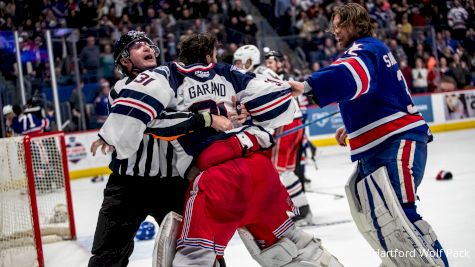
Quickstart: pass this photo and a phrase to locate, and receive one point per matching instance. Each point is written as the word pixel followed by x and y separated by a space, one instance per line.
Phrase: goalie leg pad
pixel 165 241
pixel 278 254
pixel 298 249
pixel 359 217
pixel 407 244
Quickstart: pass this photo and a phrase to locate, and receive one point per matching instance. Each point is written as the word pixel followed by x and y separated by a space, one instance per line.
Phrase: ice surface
pixel 447 205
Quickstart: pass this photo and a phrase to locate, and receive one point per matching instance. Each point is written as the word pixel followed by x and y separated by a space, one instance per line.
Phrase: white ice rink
pixel 447 205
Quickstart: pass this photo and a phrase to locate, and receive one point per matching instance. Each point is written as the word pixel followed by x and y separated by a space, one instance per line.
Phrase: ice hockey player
pixel 387 136
pixel 143 180
pixel 248 58
pixel 236 187
pixel 284 154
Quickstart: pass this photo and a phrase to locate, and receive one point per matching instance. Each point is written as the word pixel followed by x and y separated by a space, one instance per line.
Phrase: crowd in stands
pixel 433 41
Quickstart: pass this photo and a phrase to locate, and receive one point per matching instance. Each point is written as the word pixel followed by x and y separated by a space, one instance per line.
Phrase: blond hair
pixel 355 15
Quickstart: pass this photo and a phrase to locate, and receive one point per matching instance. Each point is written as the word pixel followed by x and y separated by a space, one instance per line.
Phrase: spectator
pixel 418 20
pixel 457 19
pixel 125 22
pixel 170 48
pixel 8 116
pixel 134 10
pixel 214 12
pixel 419 77
pixel 75 102
pixel 469 42
pixel 90 57
pixel 444 68
pixel 105 27
pixel 87 14
pixel 447 84
pixel 406 30
pixel 282 15
pixel 107 62
pixel 321 21
pixel 459 70
pixel 305 24
pixel 228 56
pixel 233 30
pixel 168 21
pixel 406 72
pixel 151 15
pixel 250 30
pixel 101 103
pixel 236 11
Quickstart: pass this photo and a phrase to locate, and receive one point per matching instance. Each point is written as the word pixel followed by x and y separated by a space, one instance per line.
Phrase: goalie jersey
pixel 373 97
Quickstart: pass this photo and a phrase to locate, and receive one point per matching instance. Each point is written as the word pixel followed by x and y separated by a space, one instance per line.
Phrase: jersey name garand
pixel 139 105
pixel 210 88
pixel 374 99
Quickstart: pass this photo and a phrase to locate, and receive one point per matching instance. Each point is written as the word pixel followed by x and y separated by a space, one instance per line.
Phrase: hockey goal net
pixel 35 197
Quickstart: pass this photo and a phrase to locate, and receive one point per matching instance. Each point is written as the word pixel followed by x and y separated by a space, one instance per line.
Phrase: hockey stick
pixel 305 125
pixel 323 224
pixel 336 196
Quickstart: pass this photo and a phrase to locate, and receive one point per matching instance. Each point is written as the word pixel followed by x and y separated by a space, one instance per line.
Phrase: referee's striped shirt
pixel 156 156
pixel 153 158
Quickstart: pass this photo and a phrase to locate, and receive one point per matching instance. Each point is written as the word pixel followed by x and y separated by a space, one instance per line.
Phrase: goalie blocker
pixel 381 220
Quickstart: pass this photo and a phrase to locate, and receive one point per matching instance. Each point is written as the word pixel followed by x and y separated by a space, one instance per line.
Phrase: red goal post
pixel 35 195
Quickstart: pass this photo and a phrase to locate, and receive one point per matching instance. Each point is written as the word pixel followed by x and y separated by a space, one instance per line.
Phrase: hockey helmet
pixel 146 231
pixel 275 55
pixel 126 40
pixel 7 109
pixel 246 52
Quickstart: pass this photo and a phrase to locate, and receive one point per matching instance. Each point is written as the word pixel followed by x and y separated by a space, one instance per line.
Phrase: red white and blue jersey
pixel 210 88
pixel 29 123
pixel 197 88
pixel 374 100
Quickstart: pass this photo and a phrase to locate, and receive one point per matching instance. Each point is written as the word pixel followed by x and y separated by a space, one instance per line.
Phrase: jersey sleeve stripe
pixel 360 74
pixel 134 104
pixel 267 101
pixel 383 130
pixel 143 98
pixel 272 105
pixel 375 124
pixel 138 114
pixel 272 113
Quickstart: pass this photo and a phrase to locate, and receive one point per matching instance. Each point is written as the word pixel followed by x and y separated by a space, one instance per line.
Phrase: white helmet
pixel 246 52
pixel 7 109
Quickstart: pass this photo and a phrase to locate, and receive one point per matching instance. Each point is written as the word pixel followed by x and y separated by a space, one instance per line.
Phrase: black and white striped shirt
pixel 155 155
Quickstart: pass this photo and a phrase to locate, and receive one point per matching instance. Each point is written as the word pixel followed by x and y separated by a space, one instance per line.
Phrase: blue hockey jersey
pixel 29 123
pixel 373 96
